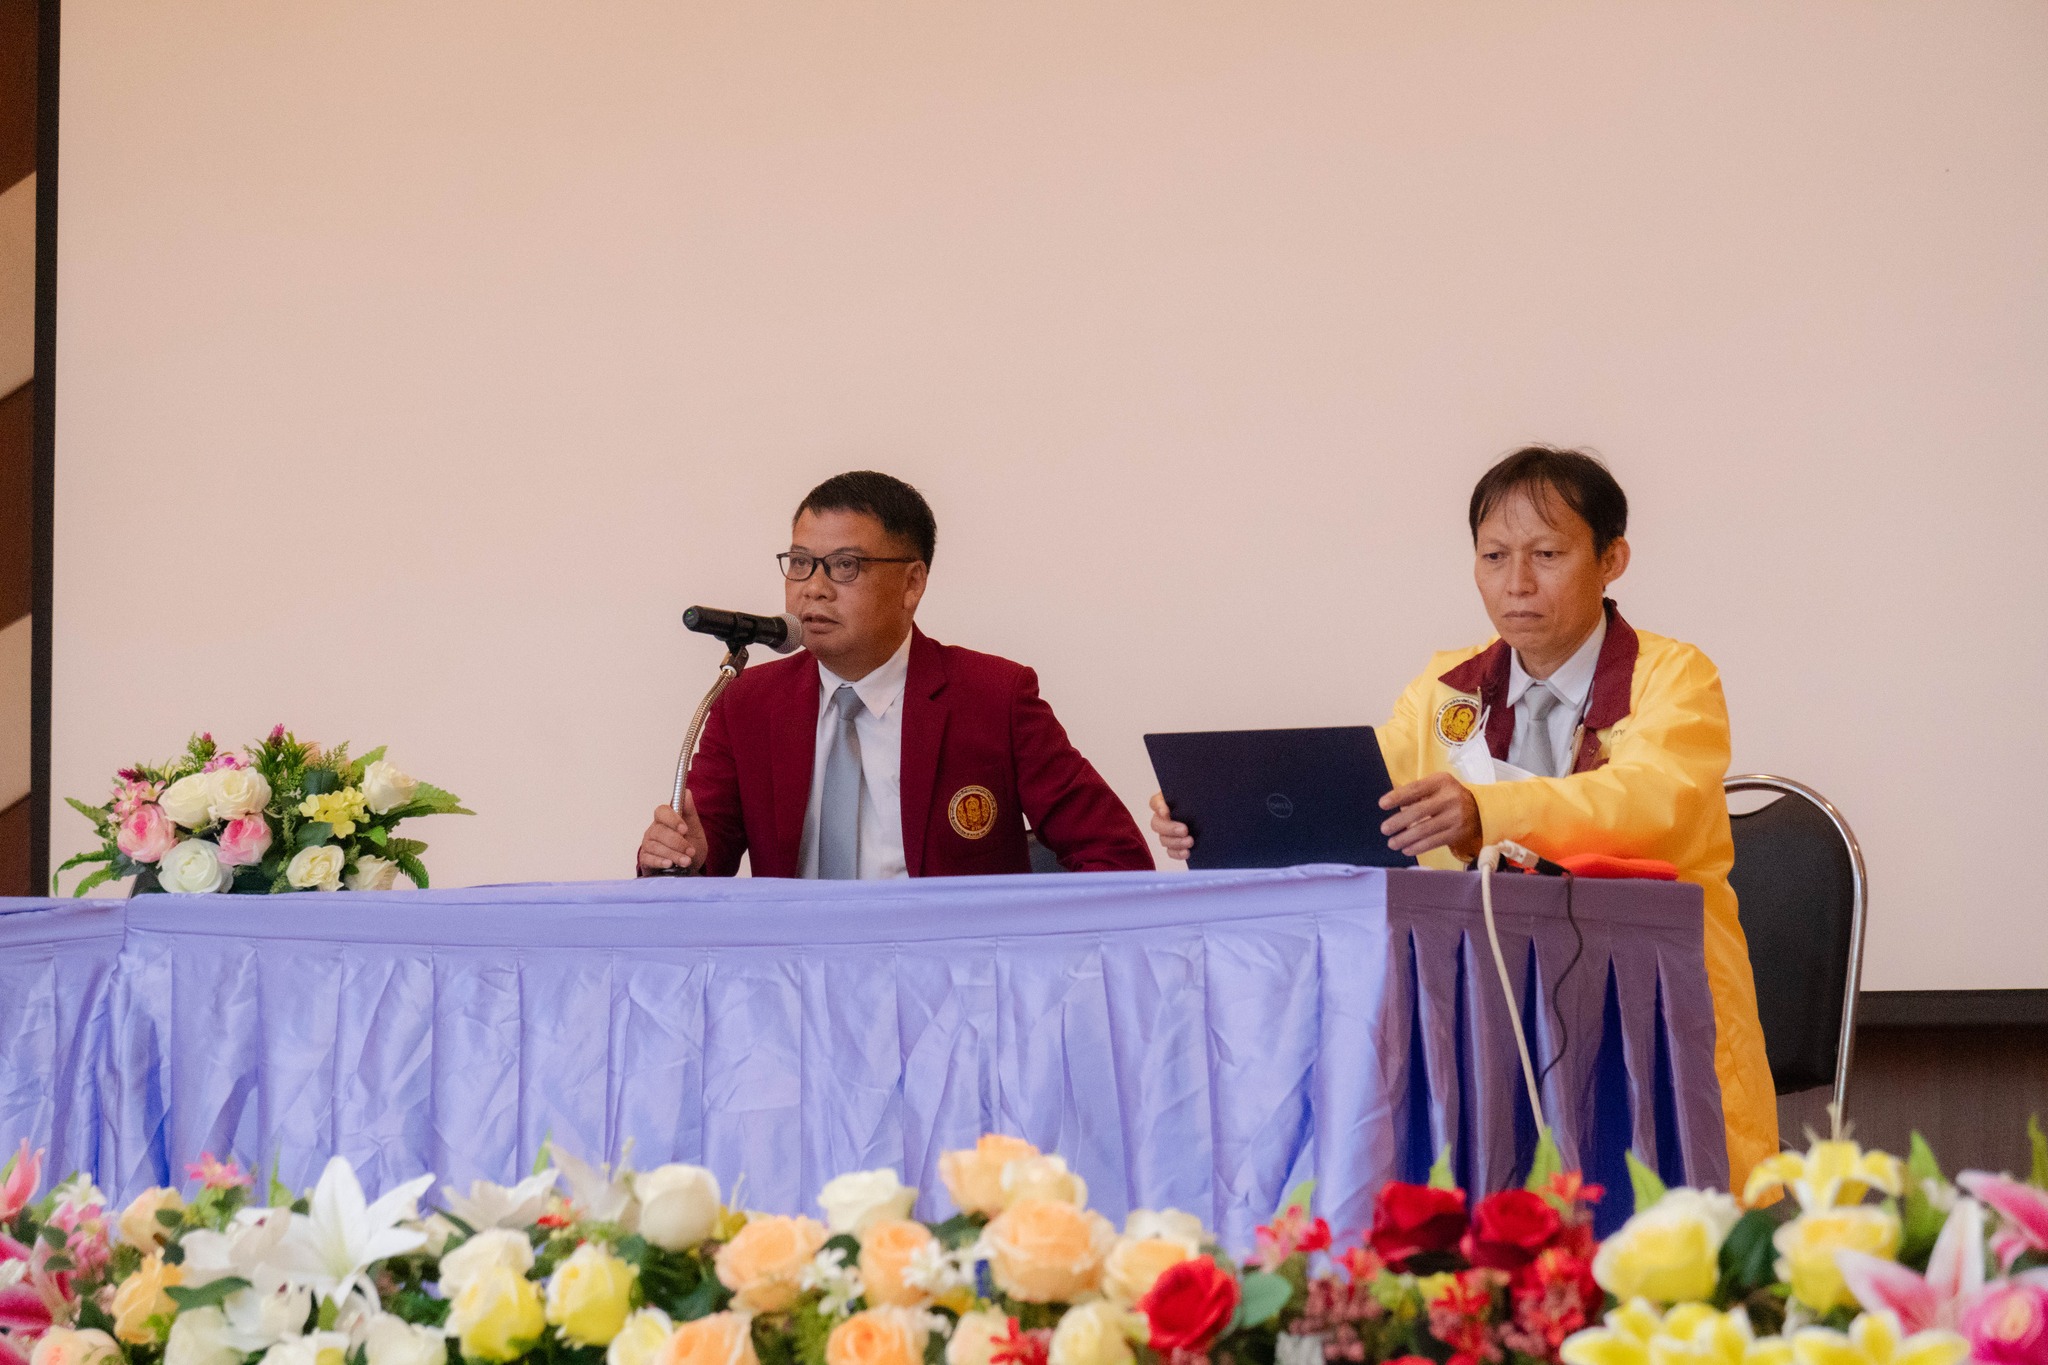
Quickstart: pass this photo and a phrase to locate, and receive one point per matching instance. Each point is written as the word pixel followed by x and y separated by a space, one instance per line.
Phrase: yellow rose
pixel 974 1177
pixel 68 1346
pixel 1046 1252
pixel 640 1339
pixel 721 1339
pixel 1669 1252
pixel 590 1294
pixel 1807 1246
pixel 139 1225
pixel 764 1261
pixel 142 1310
pixel 498 1315
pixel 1043 1177
pixel 886 1249
pixel 1098 1333
pixel 1135 1262
pixel 880 1336
pixel 975 1338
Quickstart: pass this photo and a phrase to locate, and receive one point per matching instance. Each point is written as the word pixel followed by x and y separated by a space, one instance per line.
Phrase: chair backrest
pixel 1798 880
pixel 1043 859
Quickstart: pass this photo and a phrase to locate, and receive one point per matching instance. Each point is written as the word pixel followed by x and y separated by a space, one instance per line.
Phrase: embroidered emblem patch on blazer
pixel 1456 719
pixel 972 812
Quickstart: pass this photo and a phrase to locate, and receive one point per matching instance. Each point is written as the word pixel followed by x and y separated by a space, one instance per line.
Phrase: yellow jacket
pixel 1646 783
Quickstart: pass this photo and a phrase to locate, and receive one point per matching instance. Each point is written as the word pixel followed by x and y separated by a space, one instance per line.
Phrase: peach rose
pixel 764 1262
pixel 1135 1262
pixel 721 1339
pixel 879 1336
pixel 142 1310
pixel 975 1177
pixel 886 1249
pixel 1044 1251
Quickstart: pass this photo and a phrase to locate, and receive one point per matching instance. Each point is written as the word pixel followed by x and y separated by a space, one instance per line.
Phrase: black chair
pixel 1043 859
pixel 1799 882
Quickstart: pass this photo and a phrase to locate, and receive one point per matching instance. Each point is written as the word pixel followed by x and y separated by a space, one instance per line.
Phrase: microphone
pixel 739 629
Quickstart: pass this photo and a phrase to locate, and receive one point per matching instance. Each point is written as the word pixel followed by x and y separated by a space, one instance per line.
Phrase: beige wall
pixel 420 363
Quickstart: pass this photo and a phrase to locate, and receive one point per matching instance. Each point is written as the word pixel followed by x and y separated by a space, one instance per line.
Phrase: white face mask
pixel 1475 764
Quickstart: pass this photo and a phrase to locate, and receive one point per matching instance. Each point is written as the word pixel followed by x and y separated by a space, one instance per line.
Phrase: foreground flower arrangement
pixel 581 1264
pixel 282 816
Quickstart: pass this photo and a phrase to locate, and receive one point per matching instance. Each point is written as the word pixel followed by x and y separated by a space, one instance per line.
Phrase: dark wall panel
pixel 17 411
pixel 17 90
pixel 14 875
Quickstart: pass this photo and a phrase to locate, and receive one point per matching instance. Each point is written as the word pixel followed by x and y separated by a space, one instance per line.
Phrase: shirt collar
pixel 879 690
pixel 1573 678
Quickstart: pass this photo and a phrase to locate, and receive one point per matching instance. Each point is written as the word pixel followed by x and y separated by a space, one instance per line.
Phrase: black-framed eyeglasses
pixel 840 568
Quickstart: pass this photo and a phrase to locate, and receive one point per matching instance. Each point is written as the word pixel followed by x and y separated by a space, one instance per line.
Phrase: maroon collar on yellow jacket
pixel 1485 675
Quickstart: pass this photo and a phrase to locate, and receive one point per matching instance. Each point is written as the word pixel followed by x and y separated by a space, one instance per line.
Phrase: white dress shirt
pixel 879 726
pixel 1573 684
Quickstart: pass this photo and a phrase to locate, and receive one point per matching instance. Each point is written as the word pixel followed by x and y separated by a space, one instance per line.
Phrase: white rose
pixel 236 792
pixel 390 1340
pixel 1167 1225
pixel 491 1247
pixel 438 1231
pixel 199 1336
pixel 679 1205
pixel 640 1340
pixel 373 874
pixel 853 1202
pixel 315 868
pixel 189 800
pixel 976 1337
pixel 314 1348
pixel 193 868
pixel 385 788
pixel 1098 1333
pixel 68 1346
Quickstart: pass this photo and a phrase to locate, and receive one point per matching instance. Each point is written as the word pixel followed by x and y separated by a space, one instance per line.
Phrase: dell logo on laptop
pixel 1279 806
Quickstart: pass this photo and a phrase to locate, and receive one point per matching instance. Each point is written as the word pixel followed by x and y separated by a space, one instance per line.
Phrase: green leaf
pixel 413 868
pixel 170 1218
pixel 707 1298
pixel 1440 1177
pixel 1748 1260
pixel 315 832
pixel 92 813
pixel 377 835
pixel 98 855
pixel 1298 1198
pixel 2039 1178
pixel 1263 1296
pixel 207 1295
pixel 280 1194
pixel 1920 1162
pixel 358 767
pixel 105 874
pixel 958 1231
pixel 320 781
pixel 1646 1183
pixel 541 1157
pixel 1545 1165
pixel 1920 1219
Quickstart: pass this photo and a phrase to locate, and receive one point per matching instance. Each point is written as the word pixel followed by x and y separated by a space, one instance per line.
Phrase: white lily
pixel 246 1250
pixel 600 1196
pixel 494 1206
pixel 257 1318
pixel 329 1248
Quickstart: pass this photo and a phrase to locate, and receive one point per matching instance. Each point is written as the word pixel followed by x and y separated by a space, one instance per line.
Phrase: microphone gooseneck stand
pixel 728 669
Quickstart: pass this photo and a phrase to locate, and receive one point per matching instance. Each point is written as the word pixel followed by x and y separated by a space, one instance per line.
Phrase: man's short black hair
pixel 900 508
pixel 1573 477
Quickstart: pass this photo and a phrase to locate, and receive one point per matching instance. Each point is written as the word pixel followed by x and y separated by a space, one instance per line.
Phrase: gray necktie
pixel 839 814
pixel 1537 755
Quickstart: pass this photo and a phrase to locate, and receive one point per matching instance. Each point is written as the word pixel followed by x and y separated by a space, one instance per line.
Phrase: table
pixel 1203 1041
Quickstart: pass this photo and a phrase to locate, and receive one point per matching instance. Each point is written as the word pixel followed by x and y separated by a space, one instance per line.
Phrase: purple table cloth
pixel 1202 1041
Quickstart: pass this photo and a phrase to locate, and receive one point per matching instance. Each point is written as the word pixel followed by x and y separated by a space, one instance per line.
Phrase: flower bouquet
pixel 282 816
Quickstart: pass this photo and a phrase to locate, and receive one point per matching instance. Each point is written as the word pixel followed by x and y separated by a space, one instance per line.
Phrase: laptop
pixel 1278 798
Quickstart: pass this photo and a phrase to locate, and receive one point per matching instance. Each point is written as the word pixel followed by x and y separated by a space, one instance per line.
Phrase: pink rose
pixel 243 842
pixel 147 834
pixel 2008 1323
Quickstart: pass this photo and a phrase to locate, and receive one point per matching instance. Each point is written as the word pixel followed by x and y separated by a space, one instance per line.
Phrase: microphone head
pixel 792 635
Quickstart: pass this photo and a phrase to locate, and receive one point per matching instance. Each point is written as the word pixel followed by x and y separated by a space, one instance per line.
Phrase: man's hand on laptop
pixel 672 840
pixel 1435 812
pixel 1173 835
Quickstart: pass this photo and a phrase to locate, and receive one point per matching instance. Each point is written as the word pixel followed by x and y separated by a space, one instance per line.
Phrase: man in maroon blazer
pixel 879 752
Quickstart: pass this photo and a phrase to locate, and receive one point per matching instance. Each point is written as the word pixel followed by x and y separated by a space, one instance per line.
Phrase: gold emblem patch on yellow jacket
pixel 1456 719
pixel 972 812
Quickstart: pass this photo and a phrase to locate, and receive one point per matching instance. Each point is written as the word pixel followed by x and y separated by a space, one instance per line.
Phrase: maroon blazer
pixel 975 730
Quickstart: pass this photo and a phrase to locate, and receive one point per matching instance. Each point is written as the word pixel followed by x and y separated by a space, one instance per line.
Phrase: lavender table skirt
pixel 1202 1041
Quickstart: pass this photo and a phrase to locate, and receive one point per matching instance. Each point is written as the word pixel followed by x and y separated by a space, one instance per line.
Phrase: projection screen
pixel 417 365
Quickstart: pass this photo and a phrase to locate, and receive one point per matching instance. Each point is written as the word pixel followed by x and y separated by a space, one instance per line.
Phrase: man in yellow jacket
pixel 1572 732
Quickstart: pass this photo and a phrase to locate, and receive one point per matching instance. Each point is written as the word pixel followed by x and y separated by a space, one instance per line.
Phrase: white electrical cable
pixel 1489 859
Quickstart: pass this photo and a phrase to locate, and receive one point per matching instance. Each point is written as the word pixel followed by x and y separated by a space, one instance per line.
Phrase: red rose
pixel 1189 1305
pixel 1409 1220
pixel 1509 1228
